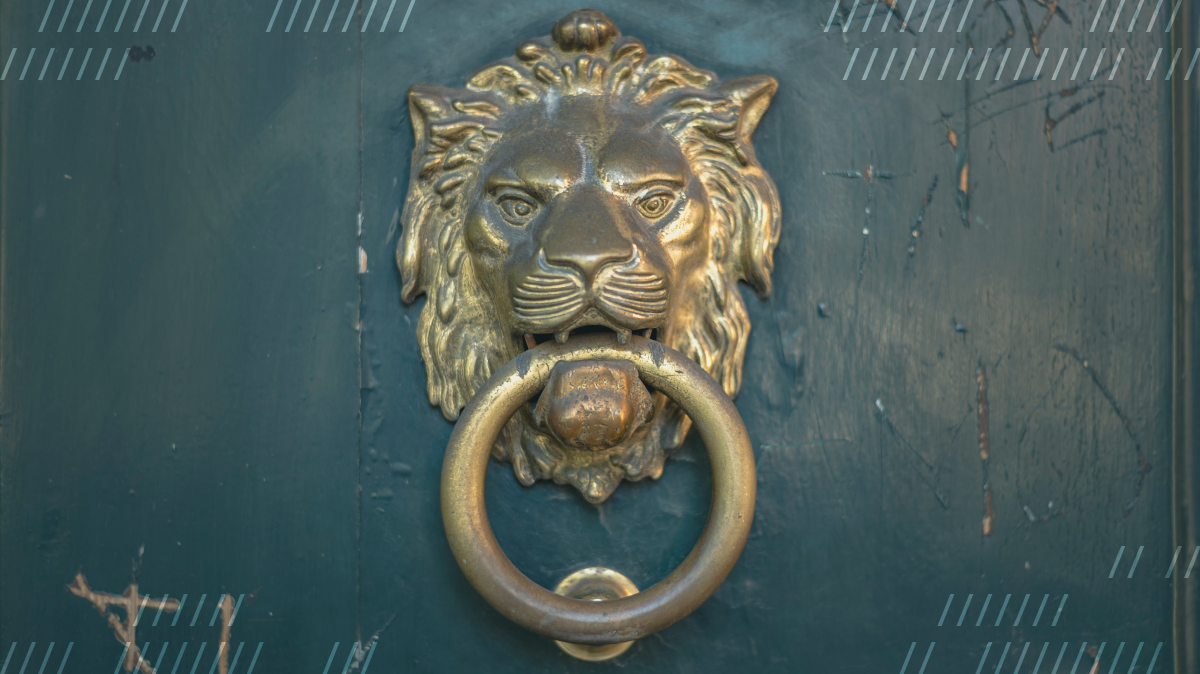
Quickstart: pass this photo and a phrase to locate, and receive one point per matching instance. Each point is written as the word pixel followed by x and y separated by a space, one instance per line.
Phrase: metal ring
pixel 584 622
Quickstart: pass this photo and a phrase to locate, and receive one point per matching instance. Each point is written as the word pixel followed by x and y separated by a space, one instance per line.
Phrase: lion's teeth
pixel 623 336
pixel 530 342
pixel 561 336
pixel 647 332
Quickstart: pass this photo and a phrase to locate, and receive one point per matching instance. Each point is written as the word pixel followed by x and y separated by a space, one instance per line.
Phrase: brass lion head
pixel 584 185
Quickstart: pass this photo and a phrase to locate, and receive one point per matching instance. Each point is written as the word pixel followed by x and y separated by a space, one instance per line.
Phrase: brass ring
pixel 573 620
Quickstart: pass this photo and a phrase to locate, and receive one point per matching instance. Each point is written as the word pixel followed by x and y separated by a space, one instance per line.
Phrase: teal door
pixel 963 392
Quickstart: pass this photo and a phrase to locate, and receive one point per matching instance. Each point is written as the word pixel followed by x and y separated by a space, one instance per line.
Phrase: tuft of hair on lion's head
pixel 585 185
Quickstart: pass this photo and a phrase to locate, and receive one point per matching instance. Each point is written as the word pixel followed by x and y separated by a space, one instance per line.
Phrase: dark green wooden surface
pixel 183 368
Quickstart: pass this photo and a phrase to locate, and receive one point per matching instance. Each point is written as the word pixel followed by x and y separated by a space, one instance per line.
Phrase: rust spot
pixel 984 444
pixel 988 513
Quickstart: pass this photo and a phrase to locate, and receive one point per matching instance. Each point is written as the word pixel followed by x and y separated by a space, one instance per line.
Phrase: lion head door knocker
pixel 578 218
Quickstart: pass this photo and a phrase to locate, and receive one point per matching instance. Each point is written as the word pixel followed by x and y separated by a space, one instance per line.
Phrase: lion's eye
pixel 517 209
pixel 654 205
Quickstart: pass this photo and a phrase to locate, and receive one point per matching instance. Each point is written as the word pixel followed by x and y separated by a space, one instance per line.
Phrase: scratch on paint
pixel 915 226
pixel 1144 467
pixel 984 446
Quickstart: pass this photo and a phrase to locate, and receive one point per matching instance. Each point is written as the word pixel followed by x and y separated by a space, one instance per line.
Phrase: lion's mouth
pixel 532 339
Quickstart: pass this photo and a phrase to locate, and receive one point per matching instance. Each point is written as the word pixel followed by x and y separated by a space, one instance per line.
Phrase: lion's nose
pixel 587 229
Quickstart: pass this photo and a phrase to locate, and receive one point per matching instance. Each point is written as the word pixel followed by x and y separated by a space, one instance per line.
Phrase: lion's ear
pixel 752 95
pixel 426 104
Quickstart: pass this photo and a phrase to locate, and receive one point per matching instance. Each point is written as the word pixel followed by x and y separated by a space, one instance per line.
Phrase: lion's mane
pixel 460 337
